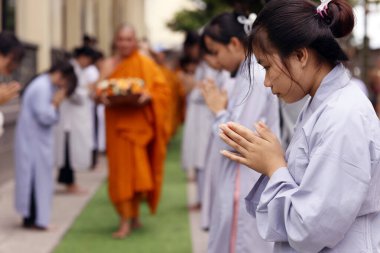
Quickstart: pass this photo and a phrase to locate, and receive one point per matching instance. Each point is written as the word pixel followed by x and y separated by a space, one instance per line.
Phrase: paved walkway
pixel 14 239
pixel 199 238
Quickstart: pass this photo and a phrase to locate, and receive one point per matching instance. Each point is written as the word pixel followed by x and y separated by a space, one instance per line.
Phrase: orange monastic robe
pixel 136 137
pixel 175 110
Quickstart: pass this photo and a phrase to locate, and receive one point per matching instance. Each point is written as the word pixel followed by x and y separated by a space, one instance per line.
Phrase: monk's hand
pixel 9 91
pixel 144 99
pixel 215 98
pixel 103 99
pixel 260 150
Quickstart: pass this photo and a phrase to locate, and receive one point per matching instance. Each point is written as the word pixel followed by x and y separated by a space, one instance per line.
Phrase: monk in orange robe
pixel 178 94
pixel 168 62
pixel 136 142
pixel 173 120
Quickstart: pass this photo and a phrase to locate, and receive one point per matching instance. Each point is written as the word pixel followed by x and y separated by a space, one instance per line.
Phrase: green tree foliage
pixel 186 20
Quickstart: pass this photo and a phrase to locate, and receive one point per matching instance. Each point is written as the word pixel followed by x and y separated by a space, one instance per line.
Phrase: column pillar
pixel 33 24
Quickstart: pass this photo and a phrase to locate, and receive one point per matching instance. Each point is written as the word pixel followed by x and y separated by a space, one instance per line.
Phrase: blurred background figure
pixel 216 94
pixel 34 143
pixel 11 54
pixel 92 75
pixel 375 86
pixel 74 131
pixel 199 118
pixel 168 68
pixel 89 41
pixel 145 47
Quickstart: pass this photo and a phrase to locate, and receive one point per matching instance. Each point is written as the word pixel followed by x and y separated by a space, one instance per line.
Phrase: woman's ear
pixel 302 56
pixel 235 44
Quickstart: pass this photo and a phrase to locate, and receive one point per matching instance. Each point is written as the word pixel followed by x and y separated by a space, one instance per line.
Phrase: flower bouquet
pixel 122 91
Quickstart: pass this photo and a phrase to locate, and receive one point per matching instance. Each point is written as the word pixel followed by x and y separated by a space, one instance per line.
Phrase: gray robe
pixel 327 199
pixel 214 158
pixel 232 229
pixel 198 123
pixel 34 149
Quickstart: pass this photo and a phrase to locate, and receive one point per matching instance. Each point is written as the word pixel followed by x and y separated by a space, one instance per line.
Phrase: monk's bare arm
pixel 108 67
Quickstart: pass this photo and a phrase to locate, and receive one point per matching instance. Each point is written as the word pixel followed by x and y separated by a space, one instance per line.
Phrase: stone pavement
pixel 14 239
pixel 199 238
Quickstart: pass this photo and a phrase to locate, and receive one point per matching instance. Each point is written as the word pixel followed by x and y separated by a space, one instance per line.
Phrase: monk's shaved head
pixel 125 40
pixel 125 28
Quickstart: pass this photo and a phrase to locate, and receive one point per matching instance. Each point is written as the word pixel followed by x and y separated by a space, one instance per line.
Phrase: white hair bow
pixel 247 22
pixel 322 8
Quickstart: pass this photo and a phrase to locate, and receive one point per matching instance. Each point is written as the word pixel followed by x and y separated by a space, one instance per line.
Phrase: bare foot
pixel 123 231
pixel 75 189
pixel 136 224
pixel 195 207
pixel 97 168
pixel 191 179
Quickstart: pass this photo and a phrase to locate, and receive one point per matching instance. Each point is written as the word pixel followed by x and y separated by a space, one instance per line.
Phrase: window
pixel 8 15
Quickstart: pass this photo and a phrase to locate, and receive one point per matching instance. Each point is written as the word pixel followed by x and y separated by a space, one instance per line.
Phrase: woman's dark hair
pixel 287 25
pixel 9 44
pixel 89 40
pixel 98 56
pixel 191 39
pixel 85 51
pixel 225 26
pixel 68 73
pixel 185 61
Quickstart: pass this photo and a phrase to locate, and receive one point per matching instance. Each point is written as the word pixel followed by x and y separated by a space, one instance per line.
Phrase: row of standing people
pixel 221 92
pixel 55 129
pixel 277 209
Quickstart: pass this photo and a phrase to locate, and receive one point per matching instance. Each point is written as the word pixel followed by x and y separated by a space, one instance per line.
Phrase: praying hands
pixel 9 91
pixel 215 98
pixel 260 150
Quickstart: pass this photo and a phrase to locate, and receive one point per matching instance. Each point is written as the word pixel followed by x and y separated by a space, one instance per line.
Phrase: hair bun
pixel 342 18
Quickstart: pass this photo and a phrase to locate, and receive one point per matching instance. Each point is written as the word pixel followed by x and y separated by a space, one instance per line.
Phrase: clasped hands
pixel 9 91
pixel 215 98
pixel 260 150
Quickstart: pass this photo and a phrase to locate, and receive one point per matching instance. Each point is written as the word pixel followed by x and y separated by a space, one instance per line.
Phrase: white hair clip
pixel 322 8
pixel 247 22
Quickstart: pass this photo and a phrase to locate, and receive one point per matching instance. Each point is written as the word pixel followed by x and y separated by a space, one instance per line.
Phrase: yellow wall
pixel 73 22
pixel 61 23
pixel 33 24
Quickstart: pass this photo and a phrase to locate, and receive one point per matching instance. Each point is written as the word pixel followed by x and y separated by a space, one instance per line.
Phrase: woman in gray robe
pixel 197 128
pixel 323 194
pixel 34 143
